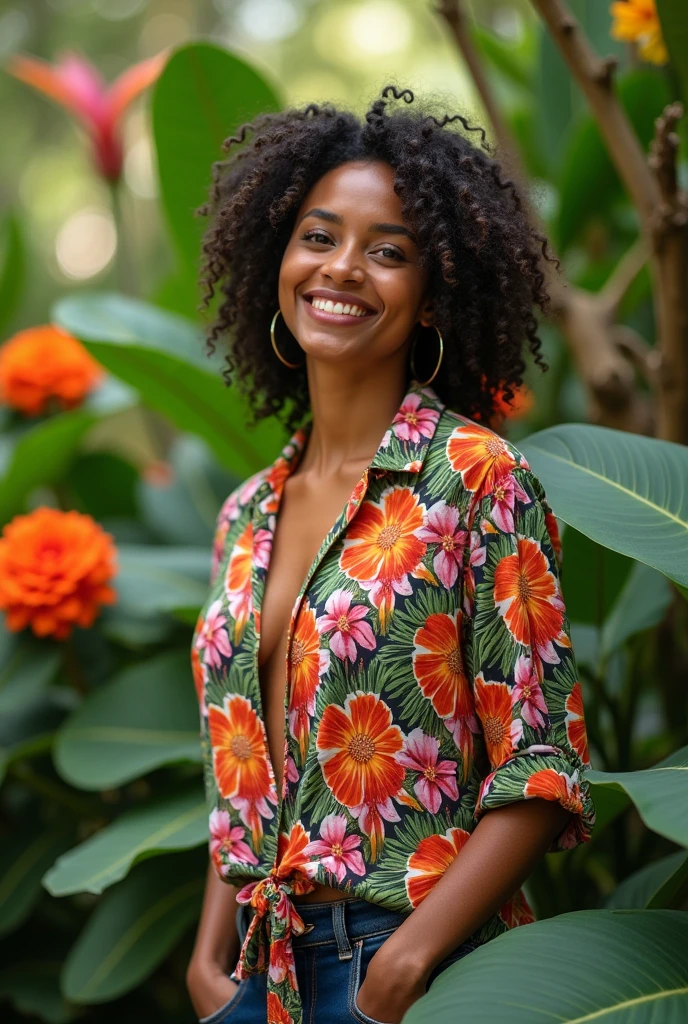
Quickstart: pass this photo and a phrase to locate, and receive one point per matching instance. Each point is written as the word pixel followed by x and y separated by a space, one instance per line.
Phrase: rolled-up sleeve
pixel 519 657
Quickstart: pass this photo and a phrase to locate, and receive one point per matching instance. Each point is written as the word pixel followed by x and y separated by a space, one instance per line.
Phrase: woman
pixel 384 643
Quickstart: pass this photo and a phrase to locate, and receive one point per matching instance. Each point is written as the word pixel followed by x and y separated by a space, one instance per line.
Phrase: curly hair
pixel 483 255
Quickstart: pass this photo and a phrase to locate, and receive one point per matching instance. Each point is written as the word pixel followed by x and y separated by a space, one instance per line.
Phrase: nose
pixel 343 263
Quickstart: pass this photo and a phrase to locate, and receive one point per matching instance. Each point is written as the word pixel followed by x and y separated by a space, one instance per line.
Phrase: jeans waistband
pixel 341 922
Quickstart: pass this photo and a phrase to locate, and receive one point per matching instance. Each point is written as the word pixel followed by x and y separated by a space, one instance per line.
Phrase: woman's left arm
pixel 501 853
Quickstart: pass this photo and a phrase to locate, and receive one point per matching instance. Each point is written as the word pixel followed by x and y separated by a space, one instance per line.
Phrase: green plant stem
pixel 124 266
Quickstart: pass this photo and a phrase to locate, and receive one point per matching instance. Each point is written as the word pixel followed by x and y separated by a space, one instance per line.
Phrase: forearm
pixel 502 851
pixel 217 939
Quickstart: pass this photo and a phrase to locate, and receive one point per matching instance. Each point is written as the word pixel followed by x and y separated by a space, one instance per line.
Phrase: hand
pixel 389 989
pixel 209 988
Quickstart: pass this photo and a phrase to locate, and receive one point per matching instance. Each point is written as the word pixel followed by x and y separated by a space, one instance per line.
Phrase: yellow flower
pixel 637 21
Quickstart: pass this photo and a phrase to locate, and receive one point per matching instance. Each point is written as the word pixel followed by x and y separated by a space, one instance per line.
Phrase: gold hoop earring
pixel 292 366
pixel 424 383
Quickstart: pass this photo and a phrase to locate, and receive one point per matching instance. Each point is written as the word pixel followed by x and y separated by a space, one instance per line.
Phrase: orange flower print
pixel 516 911
pixel 198 671
pixel 55 570
pixel 493 704
pixel 240 760
pixel 552 785
pixel 307 663
pixel 238 581
pixel 440 672
pixel 356 496
pixel 382 547
pixel 554 535
pixel 44 369
pixel 527 595
pixel 357 747
pixel 276 1011
pixel 430 860
pixel 292 855
pixel 480 456
pixel 575 723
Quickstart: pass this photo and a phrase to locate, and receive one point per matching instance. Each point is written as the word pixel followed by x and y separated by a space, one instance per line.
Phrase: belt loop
pixel 338 924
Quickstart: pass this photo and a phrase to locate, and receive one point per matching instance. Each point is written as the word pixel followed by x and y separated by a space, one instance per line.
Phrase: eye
pixel 316 235
pixel 389 253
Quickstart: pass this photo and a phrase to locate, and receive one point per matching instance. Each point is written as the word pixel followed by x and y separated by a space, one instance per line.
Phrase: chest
pixel 307 514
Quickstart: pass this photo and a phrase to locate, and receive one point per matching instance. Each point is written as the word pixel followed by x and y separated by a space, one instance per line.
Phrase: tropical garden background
pixel 119 441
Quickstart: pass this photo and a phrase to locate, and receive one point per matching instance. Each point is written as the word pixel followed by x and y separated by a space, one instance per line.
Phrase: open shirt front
pixel 429 678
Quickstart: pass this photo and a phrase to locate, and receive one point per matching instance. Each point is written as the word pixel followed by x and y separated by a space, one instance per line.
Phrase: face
pixel 350 288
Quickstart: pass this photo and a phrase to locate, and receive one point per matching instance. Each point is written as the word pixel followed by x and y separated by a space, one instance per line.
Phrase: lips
pixel 345 298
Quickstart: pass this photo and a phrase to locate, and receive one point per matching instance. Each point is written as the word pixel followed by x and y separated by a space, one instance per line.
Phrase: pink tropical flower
pixel 529 692
pixel 262 544
pixel 442 528
pixel 227 844
pixel 506 491
pixel 347 625
pixel 76 84
pixel 420 754
pixel 337 851
pixel 412 421
pixel 213 638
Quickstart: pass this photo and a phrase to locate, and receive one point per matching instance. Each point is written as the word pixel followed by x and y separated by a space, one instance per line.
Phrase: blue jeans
pixel 331 958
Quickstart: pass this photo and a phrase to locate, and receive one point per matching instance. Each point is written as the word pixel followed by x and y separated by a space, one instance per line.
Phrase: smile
pixel 336 312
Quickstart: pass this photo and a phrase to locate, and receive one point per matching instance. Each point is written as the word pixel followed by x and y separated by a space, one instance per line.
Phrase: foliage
pixel 104 829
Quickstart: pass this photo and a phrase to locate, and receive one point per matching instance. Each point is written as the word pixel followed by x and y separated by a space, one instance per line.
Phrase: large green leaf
pixel 133 927
pixel 12 268
pixel 24 856
pixel 40 453
pixel 145 717
pixel 173 823
pixel 660 794
pixel 623 490
pixel 654 886
pixel 33 986
pixel 161 579
pixel 624 966
pixel 161 355
pixel 204 94
pixel 27 666
pixel 642 603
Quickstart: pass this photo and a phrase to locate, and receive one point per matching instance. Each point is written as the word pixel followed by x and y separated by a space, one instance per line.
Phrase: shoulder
pixel 240 498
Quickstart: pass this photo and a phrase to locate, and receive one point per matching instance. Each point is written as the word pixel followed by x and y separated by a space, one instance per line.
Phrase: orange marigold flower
pixel 44 365
pixel 527 595
pixel 54 571
pixel 575 723
pixel 430 860
pixel 637 21
pixel 480 456
pixel 493 704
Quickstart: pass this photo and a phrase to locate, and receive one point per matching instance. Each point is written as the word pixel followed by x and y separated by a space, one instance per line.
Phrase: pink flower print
pixel 227 844
pixel 477 557
pixel 212 638
pixel 506 491
pixel 411 421
pixel 346 622
pixel 420 754
pixel 442 528
pixel 262 544
pixel 337 851
pixel 529 692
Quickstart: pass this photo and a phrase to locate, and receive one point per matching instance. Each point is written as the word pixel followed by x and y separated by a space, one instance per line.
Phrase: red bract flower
pixel 54 571
pixel 44 365
pixel 77 86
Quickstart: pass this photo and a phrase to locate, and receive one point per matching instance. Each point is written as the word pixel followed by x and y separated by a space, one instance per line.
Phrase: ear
pixel 426 314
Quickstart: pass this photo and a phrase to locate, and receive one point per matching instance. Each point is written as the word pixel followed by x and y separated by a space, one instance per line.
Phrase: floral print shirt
pixel 429 678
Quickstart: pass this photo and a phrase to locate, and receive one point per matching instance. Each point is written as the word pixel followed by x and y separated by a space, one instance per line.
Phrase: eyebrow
pixel 334 218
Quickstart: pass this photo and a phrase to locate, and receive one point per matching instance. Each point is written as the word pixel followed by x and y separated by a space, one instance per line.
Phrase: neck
pixel 350 414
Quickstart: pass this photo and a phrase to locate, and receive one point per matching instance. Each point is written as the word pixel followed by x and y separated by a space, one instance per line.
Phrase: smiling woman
pixel 391 719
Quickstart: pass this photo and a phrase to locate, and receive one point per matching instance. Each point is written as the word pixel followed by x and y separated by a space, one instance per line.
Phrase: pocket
pixel 357 974
pixel 220 1015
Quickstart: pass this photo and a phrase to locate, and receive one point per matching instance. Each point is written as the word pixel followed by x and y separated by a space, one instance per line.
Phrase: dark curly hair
pixel 473 233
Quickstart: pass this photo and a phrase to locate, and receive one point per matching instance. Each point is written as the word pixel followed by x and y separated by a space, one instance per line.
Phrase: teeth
pixel 337 307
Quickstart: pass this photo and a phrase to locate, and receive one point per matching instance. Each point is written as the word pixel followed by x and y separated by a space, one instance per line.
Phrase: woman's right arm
pixel 216 949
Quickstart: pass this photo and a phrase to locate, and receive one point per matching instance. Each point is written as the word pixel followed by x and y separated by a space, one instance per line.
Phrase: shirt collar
pixel 403 447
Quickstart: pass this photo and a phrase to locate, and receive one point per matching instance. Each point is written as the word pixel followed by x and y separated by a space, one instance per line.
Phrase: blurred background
pixel 112 112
